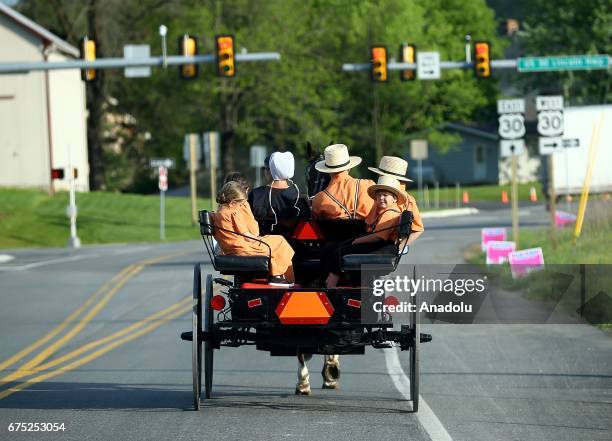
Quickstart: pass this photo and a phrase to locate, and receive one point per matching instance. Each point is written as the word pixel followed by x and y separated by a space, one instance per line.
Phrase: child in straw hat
pixel 381 221
pixel 397 168
pixel 234 215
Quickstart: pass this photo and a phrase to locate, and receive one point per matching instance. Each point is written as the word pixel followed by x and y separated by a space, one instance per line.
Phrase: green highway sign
pixel 570 62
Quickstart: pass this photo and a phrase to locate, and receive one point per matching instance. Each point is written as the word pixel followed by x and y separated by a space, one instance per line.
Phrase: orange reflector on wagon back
pixel 254 302
pixel 304 308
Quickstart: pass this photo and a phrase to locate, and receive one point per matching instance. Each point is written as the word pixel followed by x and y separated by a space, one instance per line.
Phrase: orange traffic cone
pixel 533 196
pixel 466 197
pixel 504 197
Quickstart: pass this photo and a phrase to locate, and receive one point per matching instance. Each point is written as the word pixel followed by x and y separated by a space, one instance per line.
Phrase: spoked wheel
pixel 415 324
pixel 208 347
pixel 196 341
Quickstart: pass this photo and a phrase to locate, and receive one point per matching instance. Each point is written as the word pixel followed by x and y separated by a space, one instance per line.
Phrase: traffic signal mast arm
pixel 110 63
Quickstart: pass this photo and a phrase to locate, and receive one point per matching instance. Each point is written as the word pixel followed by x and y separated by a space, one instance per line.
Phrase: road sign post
pixel 550 128
pixel 193 167
pixel 73 241
pixel 163 187
pixel 418 151
pixel 257 161
pixel 212 157
pixel 512 130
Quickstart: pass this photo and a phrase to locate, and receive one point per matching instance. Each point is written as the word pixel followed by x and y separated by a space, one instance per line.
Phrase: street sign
pixel 136 51
pixel 511 106
pixel 550 145
pixel 549 103
pixel 550 123
pixel 428 65
pixel 163 178
pixel 571 62
pixel 211 138
pixel 258 155
pixel 161 162
pixel 511 147
pixel 571 142
pixel 418 149
pixel 187 146
pixel 511 126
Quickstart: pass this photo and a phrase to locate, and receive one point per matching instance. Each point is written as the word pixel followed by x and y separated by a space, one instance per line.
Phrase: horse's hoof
pixel 331 385
pixel 302 389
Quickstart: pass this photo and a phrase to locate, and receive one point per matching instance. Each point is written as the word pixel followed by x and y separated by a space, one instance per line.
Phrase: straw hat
pixel 337 159
pixel 389 184
pixel 392 166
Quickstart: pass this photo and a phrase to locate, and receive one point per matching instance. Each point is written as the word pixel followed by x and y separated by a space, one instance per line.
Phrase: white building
pixel 42 113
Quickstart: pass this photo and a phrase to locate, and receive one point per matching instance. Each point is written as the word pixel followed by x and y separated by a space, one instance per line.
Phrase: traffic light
pixel 482 59
pixel 378 61
pixel 57 173
pixel 225 55
pixel 408 55
pixel 88 53
pixel 188 47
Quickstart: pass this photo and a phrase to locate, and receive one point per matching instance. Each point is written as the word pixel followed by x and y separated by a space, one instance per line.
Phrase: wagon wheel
pixel 208 346
pixel 196 341
pixel 415 323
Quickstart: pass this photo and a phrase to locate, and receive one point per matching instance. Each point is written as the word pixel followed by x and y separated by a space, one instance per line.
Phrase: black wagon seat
pixel 384 263
pixel 251 266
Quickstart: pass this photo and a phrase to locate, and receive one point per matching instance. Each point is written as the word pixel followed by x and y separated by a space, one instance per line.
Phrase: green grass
pixel 32 218
pixel 592 247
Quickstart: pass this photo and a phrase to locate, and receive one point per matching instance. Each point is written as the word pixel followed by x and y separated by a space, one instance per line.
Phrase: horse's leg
pixel 303 384
pixel 331 371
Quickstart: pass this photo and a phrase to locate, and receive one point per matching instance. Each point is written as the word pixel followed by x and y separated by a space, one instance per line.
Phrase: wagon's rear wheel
pixel 208 347
pixel 196 341
pixel 415 324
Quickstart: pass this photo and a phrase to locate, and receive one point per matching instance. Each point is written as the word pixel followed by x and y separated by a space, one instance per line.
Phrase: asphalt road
pixel 116 368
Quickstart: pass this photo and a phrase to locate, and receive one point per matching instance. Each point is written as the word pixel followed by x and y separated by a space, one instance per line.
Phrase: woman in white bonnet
pixel 281 198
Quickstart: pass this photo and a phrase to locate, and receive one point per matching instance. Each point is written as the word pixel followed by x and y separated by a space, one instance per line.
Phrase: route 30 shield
pixel 550 123
pixel 512 126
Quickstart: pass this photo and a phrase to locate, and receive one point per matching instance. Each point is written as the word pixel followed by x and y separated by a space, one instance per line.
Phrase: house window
pixel 480 154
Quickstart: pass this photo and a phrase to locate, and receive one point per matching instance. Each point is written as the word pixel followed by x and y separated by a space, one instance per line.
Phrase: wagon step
pixel 224 282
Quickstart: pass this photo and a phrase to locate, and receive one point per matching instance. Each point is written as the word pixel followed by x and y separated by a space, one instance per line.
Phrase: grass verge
pixel 32 218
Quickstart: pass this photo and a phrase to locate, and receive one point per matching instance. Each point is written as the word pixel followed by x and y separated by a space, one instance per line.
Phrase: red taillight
pixel 217 303
pixel 307 230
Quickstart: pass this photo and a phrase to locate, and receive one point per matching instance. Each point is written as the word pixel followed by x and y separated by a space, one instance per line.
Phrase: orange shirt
pixel 383 220
pixel 411 205
pixel 342 187
pixel 240 220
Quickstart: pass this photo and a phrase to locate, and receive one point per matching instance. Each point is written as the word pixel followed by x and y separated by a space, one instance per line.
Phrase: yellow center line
pixel 94 344
pixel 59 328
pixel 121 279
pixel 92 356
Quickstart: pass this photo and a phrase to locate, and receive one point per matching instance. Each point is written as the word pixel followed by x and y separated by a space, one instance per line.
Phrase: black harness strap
pixel 341 205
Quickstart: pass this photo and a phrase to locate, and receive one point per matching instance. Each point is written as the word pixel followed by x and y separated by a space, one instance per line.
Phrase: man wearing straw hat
pixel 345 197
pixel 397 168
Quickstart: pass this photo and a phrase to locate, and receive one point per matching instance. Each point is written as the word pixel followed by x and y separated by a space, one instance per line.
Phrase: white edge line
pixel 425 415
pixel 46 262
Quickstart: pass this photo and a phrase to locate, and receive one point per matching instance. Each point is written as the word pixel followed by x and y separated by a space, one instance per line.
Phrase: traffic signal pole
pixel 111 63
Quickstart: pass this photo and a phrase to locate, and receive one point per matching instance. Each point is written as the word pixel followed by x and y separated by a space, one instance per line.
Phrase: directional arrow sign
pixel 428 65
pixel 511 147
pixel 549 146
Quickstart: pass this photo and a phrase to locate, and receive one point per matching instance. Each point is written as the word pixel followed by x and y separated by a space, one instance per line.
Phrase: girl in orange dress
pixel 235 215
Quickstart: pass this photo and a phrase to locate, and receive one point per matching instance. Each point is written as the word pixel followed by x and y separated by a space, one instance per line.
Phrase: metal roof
pixel 38 30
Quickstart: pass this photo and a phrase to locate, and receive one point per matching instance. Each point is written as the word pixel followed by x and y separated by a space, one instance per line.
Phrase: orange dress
pixel 343 187
pixel 411 205
pixel 241 220
pixel 384 220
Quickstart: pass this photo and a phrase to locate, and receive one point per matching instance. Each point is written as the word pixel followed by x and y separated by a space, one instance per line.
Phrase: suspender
pixel 341 205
